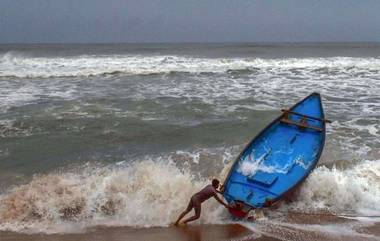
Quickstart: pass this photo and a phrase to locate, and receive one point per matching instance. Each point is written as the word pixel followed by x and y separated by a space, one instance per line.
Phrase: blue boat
pixel 279 158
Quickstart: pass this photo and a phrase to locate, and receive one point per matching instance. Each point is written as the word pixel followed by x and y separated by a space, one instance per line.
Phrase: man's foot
pixel 180 224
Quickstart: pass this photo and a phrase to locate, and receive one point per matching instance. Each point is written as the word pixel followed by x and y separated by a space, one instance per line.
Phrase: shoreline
pixel 172 233
pixel 319 230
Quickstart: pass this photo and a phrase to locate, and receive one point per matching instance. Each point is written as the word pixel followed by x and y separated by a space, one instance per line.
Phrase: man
pixel 198 198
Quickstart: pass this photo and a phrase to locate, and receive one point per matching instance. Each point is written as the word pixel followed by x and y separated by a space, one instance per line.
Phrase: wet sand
pixel 266 232
pixel 181 233
pixel 317 227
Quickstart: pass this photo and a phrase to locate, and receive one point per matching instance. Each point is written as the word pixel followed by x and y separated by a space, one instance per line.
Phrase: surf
pixel 20 65
pixel 151 193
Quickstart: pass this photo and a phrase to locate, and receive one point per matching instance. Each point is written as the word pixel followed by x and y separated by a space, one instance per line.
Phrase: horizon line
pixel 206 42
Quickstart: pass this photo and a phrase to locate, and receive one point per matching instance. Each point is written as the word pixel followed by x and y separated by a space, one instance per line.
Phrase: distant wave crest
pixel 16 65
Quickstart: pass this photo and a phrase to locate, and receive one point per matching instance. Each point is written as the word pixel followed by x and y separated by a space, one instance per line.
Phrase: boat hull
pixel 280 157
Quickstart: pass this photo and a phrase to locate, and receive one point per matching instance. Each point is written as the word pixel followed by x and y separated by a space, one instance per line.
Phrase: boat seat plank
pixel 290 122
pixel 286 112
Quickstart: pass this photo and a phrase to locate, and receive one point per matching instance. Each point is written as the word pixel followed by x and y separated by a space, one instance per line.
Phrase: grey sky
pixel 188 20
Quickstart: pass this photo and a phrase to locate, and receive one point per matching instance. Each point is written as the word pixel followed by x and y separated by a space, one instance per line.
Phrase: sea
pixel 99 136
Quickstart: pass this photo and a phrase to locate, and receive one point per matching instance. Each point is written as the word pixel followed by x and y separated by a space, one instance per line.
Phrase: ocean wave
pixel 146 193
pixel 353 190
pixel 153 192
pixel 349 86
pixel 12 128
pixel 22 66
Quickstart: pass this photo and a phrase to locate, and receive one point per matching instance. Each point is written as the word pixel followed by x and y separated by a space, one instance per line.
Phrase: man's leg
pixel 197 209
pixel 188 209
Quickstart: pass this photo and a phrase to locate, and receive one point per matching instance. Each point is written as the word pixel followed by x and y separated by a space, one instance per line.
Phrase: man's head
pixel 215 183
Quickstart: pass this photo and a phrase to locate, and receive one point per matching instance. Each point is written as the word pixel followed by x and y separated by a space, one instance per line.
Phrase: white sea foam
pixel 348 85
pixel 355 190
pixel 152 193
pixel 143 194
pixel 291 231
pixel 250 165
pixel 16 65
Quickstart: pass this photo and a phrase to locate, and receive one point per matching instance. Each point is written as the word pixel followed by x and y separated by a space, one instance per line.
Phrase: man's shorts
pixel 194 203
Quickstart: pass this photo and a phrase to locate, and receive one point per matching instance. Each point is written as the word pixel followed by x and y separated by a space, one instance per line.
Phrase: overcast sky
pixel 189 20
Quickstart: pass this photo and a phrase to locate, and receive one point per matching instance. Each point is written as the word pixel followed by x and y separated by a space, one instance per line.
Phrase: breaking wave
pixel 22 66
pixel 153 192
pixel 354 190
pixel 143 194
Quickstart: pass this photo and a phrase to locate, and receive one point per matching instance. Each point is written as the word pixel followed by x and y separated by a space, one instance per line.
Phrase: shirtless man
pixel 198 198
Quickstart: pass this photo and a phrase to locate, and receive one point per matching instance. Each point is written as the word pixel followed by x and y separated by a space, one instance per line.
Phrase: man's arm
pixel 221 189
pixel 220 200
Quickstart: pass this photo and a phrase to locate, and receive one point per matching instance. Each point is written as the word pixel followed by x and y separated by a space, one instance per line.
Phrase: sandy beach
pixel 181 233
pixel 296 227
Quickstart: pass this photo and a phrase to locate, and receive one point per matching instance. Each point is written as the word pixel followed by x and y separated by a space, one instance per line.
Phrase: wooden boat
pixel 279 158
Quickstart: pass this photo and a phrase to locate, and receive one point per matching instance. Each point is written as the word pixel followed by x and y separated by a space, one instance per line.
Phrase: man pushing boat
pixel 197 200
